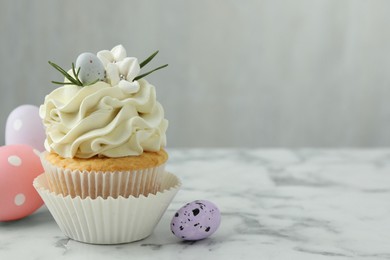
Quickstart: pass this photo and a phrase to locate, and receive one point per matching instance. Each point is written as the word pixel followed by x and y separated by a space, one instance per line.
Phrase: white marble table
pixel 276 204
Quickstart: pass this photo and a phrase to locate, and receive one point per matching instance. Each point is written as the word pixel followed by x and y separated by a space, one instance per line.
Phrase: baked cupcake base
pixel 108 221
pixel 104 177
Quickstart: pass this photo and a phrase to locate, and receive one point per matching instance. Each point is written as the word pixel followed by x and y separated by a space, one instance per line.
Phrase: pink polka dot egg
pixel 19 166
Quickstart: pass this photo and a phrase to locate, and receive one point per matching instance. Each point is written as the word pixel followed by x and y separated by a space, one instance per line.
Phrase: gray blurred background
pixel 241 73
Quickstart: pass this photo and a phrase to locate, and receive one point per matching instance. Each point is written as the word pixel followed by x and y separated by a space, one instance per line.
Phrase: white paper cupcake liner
pixel 102 184
pixel 108 221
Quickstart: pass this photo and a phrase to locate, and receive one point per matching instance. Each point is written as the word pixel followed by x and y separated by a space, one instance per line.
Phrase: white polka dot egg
pixel 19 166
pixel 196 220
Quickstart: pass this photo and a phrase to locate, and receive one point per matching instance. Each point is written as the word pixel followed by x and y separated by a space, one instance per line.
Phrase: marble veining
pixel 275 204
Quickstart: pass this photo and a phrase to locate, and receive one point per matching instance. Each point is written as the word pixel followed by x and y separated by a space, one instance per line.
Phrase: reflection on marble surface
pixel 275 204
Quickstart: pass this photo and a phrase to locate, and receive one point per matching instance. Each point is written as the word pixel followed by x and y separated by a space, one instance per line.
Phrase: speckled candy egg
pixel 91 68
pixel 24 126
pixel 196 220
pixel 19 165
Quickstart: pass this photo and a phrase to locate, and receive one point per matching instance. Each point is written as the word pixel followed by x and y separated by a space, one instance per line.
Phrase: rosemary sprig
pixel 76 74
pixel 148 59
pixel 62 83
pixel 147 73
pixel 142 64
pixel 73 80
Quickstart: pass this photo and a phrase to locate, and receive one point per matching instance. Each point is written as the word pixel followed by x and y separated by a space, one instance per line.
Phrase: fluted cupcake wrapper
pixel 102 184
pixel 108 221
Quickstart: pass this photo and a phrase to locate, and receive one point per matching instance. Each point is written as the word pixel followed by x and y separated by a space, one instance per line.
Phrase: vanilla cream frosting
pixel 104 120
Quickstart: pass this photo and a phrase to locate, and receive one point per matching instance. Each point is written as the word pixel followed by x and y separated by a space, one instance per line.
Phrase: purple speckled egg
pixel 196 220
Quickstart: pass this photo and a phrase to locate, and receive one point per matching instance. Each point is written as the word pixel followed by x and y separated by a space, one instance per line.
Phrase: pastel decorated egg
pixel 91 68
pixel 24 126
pixel 196 220
pixel 19 165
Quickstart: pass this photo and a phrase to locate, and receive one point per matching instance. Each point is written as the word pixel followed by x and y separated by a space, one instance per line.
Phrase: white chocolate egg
pixel 91 68
pixel 24 126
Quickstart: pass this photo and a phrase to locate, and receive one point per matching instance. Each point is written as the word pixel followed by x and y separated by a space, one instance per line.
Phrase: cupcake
pixel 105 129
pixel 105 179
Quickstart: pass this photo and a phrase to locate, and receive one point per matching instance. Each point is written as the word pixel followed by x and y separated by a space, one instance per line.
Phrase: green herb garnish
pixel 147 73
pixel 73 80
pixel 148 59
pixel 142 64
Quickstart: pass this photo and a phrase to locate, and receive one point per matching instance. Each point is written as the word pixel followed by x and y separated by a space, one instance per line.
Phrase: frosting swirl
pixel 103 120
